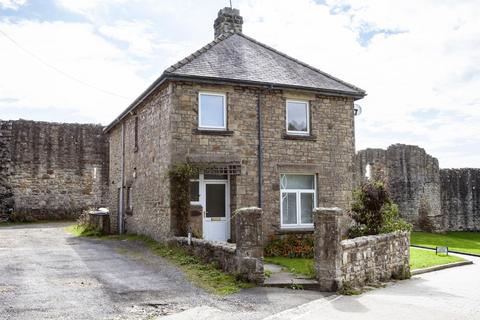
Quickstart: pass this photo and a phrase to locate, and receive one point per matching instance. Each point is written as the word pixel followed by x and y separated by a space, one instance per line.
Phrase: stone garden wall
pixel 375 258
pixel 354 263
pixel 51 170
pixel 243 259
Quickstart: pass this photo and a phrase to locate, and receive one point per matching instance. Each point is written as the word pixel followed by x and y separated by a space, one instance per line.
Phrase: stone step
pixel 293 283
pixel 280 278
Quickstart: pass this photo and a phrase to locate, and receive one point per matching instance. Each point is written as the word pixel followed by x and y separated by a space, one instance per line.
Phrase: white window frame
pixel 199 180
pixel 294 132
pixel 201 186
pixel 200 126
pixel 298 193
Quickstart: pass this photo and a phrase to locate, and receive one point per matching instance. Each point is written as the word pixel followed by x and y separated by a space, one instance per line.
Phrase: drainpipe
pixel 122 182
pixel 260 152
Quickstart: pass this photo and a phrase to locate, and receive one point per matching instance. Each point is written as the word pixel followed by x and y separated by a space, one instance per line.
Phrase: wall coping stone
pixel 228 247
pixel 365 240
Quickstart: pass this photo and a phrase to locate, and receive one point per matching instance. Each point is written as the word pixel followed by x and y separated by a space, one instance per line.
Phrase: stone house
pixel 265 130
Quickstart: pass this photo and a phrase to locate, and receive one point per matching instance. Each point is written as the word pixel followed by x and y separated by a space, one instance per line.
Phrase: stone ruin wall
pixel 428 197
pixel 461 199
pixel 51 170
pixel 6 192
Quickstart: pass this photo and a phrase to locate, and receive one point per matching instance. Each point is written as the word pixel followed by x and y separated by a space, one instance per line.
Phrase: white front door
pixel 216 215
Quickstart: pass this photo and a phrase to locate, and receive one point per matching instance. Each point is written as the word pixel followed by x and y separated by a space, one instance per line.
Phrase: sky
pixel 418 60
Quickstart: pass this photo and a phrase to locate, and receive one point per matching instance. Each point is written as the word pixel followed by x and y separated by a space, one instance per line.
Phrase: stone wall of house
pixel 356 262
pixel 460 199
pixel 168 135
pixel 145 168
pixel 52 170
pixel 328 153
pixel 413 179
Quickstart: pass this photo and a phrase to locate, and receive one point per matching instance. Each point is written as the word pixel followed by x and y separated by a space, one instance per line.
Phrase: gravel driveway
pixel 46 273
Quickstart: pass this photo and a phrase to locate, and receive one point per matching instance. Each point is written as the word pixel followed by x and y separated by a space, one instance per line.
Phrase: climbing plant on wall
pixel 180 175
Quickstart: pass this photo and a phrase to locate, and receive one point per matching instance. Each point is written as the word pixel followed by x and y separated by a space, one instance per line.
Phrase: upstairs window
pixel 212 111
pixel 298 198
pixel 298 117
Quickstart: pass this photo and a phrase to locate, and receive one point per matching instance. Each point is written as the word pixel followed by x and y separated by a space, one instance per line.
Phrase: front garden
pixel 373 213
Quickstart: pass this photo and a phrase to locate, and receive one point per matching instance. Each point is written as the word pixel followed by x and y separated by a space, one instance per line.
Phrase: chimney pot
pixel 229 20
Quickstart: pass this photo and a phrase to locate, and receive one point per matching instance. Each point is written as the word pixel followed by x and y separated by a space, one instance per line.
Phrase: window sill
pixel 299 137
pixel 213 132
pixel 284 230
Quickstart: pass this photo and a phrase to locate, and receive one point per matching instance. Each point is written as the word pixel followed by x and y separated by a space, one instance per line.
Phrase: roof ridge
pixel 301 62
pixel 197 53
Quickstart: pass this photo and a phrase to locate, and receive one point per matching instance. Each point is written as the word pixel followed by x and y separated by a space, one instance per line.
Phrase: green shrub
pixel 391 219
pixel 290 246
pixel 374 212
pixel 84 228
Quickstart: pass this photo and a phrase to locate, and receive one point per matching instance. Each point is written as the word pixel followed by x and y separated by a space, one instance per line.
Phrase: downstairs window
pixel 298 198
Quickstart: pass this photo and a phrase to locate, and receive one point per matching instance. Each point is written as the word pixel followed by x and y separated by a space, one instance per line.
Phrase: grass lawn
pixel 206 276
pixel 420 259
pixel 300 266
pixel 468 242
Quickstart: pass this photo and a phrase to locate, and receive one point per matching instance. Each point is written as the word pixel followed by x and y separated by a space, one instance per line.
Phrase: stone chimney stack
pixel 228 21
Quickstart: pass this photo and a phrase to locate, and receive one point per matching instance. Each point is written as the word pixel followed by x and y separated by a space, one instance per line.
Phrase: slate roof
pixel 237 58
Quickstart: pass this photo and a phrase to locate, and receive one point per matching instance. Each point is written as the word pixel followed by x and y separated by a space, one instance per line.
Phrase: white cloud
pixel 89 8
pixel 419 63
pixel 12 4
pixel 75 49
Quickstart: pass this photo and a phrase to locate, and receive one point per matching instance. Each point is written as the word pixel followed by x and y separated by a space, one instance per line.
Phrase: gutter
pixel 215 80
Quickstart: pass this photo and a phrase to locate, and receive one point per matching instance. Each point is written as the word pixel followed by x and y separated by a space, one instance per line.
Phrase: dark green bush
pixel 374 212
